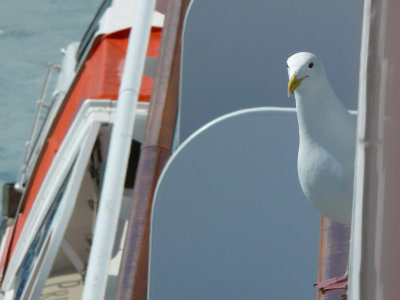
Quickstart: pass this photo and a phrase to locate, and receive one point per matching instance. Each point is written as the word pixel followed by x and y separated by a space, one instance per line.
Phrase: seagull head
pixel 306 72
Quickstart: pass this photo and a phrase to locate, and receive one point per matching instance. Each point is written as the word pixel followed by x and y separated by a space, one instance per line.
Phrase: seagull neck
pixel 315 111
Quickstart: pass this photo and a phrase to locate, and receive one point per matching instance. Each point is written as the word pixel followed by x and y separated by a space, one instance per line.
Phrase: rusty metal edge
pixel 321 257
pixel 333 254
pixel 156 149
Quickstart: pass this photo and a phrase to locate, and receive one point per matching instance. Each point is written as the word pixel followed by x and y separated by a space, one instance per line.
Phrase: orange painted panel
pixel 99 78
pixel 9 233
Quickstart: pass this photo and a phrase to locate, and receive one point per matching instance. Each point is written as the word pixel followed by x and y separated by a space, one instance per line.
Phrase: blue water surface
pixel 32 32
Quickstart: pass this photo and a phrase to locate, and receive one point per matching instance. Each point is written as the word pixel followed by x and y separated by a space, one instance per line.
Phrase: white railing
pixel 34 136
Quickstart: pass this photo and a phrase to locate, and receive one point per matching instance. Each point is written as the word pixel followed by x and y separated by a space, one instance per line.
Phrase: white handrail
pixel 41 104
pixel 118 155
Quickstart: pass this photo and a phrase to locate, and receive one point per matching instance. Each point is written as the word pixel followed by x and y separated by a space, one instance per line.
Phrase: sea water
pixel 32 32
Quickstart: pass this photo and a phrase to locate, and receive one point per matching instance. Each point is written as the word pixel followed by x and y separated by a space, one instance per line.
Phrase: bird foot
pixel 337 283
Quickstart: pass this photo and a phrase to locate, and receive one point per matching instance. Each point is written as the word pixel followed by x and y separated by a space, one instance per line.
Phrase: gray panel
pixel 230 220
pixel 235 53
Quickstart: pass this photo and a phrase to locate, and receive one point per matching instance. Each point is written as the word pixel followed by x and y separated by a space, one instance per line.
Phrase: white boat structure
pixel 55 203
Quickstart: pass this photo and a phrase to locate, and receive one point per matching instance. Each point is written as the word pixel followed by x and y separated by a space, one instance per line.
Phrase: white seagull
pixel 327 133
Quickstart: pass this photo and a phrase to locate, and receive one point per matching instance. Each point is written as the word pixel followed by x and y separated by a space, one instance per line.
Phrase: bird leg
pixel 337 283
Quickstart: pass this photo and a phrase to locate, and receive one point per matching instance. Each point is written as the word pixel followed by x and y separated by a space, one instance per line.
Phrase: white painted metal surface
pixel 357 225
pixel 62 217
pixel 70 252
pixel 91 111
pixel 375 264
pixel 112 190
pixel 119 16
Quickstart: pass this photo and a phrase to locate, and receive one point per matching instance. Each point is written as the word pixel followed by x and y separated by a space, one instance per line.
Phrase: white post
pixel 114 178
pixel 375 247
pixel 355 263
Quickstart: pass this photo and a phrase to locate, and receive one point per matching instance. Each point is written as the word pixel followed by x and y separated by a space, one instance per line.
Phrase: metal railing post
pixel 118 155
pixel 30 144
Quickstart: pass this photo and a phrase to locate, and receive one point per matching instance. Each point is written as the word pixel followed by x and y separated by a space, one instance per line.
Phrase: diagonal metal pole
pixel 118 155
pixel 156 148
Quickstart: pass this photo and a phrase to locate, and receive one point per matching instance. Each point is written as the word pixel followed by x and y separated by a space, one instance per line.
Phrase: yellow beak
pixel 294 83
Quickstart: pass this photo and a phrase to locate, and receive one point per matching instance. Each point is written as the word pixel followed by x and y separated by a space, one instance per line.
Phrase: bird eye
pixel 310 65
pixel 287 66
